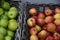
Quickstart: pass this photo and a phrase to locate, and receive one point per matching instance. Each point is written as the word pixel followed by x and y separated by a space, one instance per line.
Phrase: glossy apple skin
pixel 42 34
pixel 57 10
pixel 33 37
pixel 38 28
pixel 57 22
pixel 49 19
pixel 41 15
pixel 51 27
pixel 57 16
pixel 56 36
pixel 40 21
pixel 33 11
pixel 31 22
pixel 48 12
pixel 58 29
pixel 33 31
pixel 35 17
pixel 49 38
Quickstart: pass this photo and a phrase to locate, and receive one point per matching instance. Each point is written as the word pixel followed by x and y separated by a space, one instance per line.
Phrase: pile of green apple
pixel 44 25
pixel 8 24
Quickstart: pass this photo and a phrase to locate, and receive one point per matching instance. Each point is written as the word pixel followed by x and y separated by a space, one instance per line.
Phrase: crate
pixel 41 8
pixel 17 4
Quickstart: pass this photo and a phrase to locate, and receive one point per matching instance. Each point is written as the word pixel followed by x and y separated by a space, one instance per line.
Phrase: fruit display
pixel 8 21
pixel 44 25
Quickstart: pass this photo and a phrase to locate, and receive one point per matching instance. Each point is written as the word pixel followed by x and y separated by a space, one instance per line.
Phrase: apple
pixel 41 15
pixel 33 31
pixel 51 27
pixel 31 22
pixel 49 38
pixel 57 10
pixel 56 36
pixel 48 12
pixel 38 28
pixel 58 29
pixel 57 22
pixel 49 19
pixel 12 13
pixel 42 34
pixel 40 21
pixel 35 17
pixel 44 27
pixel 57 16
pixel 13 25
pixel 33 37
pixel 48 34
pixel 33 11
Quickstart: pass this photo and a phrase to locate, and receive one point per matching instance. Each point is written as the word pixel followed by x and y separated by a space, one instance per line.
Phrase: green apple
pixel 4 23
pixel 5 13
pixel 8 38
pixel 13 12
pixel 12 25
pixel 6 5
pixel 3 31
pixel 10 33
pixel 38 27
pixel 4 17
pixel 1 36
pixel 1 11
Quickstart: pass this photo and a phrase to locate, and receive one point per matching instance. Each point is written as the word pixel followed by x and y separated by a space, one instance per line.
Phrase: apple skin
pixel 40 21
pixel 49 19
pixel 42 34
pixel 56 36
pixel 33 31
pixel 33 37
pixel 57 10
pixel 41 15
pixel 33 11
pixel 31 22
pixel 57 16
pixel 38 28
pixel 57 22
pixel 58 29
pixel 35 17
pixel 44 27
pixel 49 38
pixel 51 27
pixel 48 12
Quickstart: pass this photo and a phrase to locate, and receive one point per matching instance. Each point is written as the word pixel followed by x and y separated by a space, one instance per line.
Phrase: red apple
pixel 58 29
pixel 40 21
pixel 57 10
pixel 38 27
pixel 49 38
pixel 48 34
pixel 35 17
pixel 57 16
pixel 33 37
pixel 33 11
pixel 56 36
pixel 49 19
pixel 31 22
pixel 33 31
pixel 44 27
pixel 48 12
pixel 57 22
pixel 51 27
pixel 42 34
pixel 41 15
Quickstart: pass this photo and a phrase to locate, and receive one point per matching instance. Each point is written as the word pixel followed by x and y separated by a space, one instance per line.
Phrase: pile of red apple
pixel 44 26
